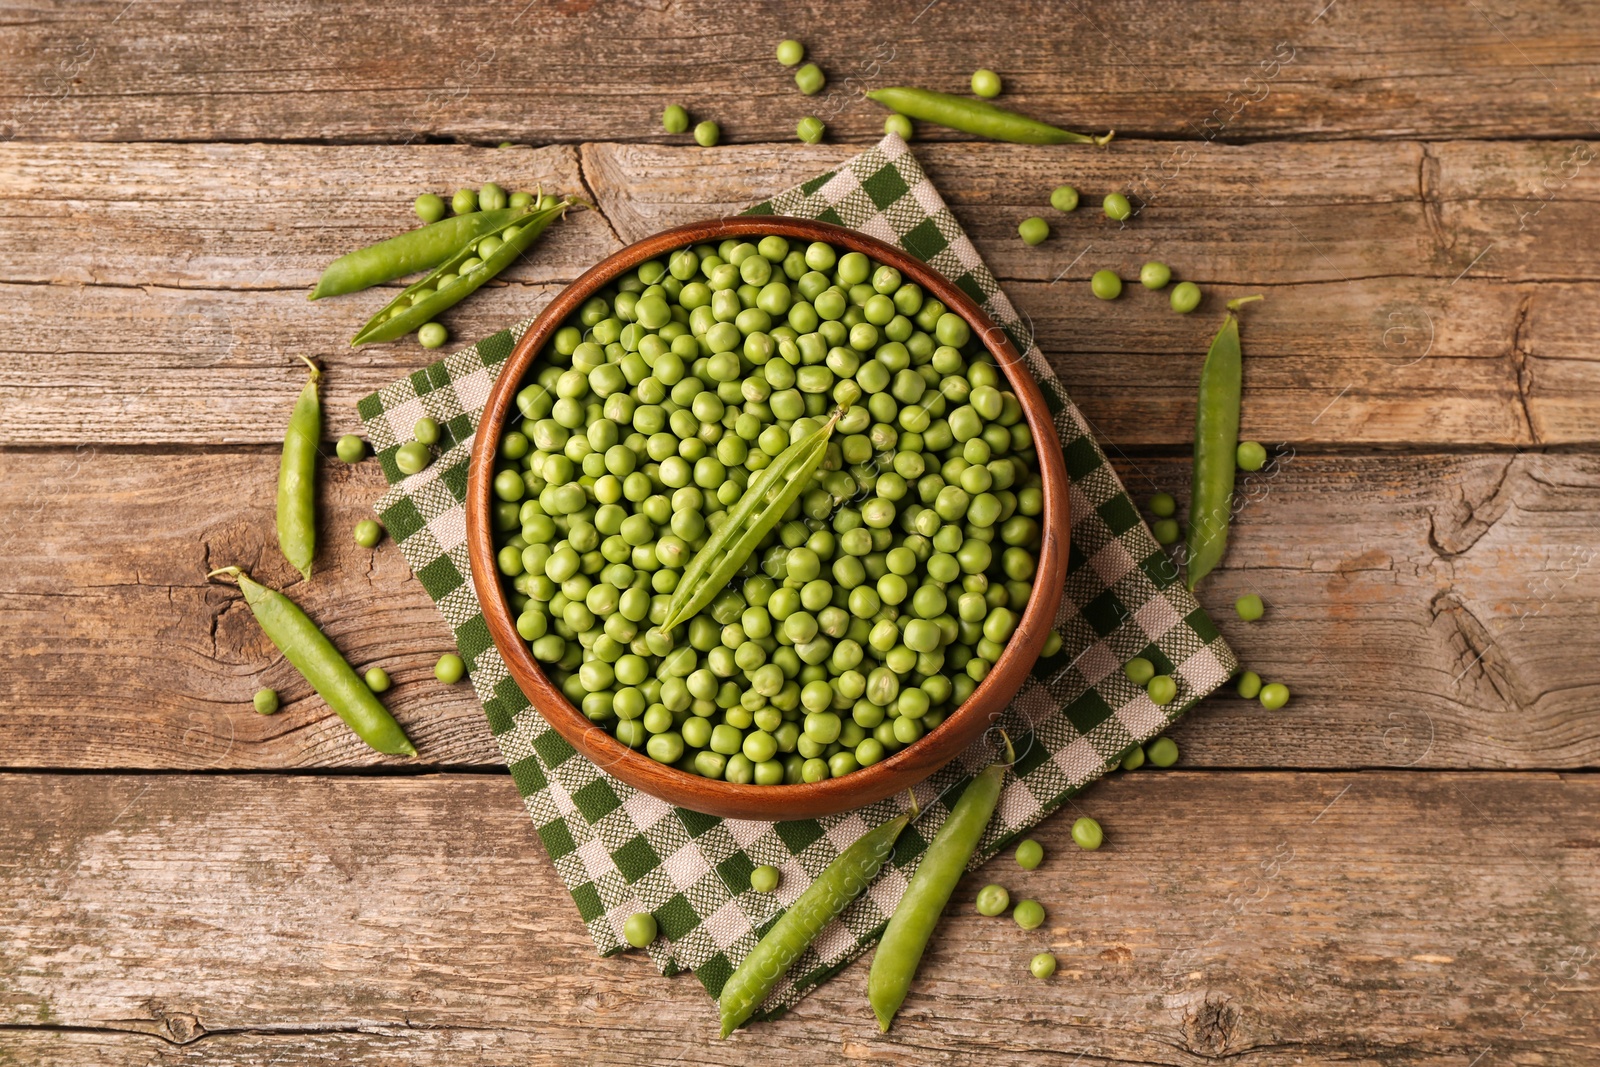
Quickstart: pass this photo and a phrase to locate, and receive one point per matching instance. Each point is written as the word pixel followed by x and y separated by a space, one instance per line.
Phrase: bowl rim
pixel 896 772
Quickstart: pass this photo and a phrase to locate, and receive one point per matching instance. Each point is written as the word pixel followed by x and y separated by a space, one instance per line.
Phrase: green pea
pixel 790 52
pixel 1033 230
pixel 1086 834
pixel 429 207
pixel 810 79
pixel 765 878
pixel 1185 297
pixel 1117 207
pixel 674 119
pixel 265 701
pixel 1064 198
pixel 1165 530
pixel 899 125
pixel 412 457
pixel 449 669
pixel 1249 607
pixel 1161 689
pixel 1249 685
pixel 1106 285
pixel 1042 966
pixel 1029 854
pixel 464 202
pixel 1134 759
pixel 640 929
pixel 707 134
pixel 368 533
pixel 1155 275
pixel 1029 914
pixel 1139 670
pixel 432 335
pixel 1274 695
pixel 1163 506
pixel 809 129
pixel 351 449
pixel 377 680
pixel 1162 752
pixel 1250 456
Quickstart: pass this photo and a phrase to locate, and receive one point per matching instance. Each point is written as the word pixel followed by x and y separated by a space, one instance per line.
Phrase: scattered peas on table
pixel 1139 670
pixel 464 202
pixel 1134 759
pixel 449 669
pixel 1033 230
pixel 429 207
pixel 1087 834
pixel 1029 914
pixel 1249 685
pixel 674 119
pixel 265 701
pixel 1249 607
pixel 810 79
pixel 377 680
pixel 1155 275
pixel 1162 752
pixel 771 513
pixel 790 52
pixel 640 929
pixel 899 124
pixel 707 134
pixel 1185 297
pixel 1043 965
pixel 1161 689
pixel 1030 854
pixel 992 899
pixel 425 431
pixel 1165 530
pixel 1064 198
pixel 1163 506
pixel 412 457
pixel 1117 207
pixel 985 83
pixel 809 129
pixel 765 878
pixel 1250 455
pixel 368 533
pixel 1274 695
pixel 1106 285
pixel 351 449
pixel 432 335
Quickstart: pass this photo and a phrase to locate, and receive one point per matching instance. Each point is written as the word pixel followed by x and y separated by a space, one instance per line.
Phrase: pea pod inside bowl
pixel 767 518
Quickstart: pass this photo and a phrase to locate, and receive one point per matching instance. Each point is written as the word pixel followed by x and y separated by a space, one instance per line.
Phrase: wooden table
pixel 1402 867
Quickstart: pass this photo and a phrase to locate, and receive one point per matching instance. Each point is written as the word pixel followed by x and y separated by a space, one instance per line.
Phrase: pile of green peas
pixel 878 603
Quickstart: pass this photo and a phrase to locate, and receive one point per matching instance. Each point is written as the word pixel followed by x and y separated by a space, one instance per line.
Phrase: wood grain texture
pixel 1429 610
pixel 1422 286
pixel 574 70
pixel 232 920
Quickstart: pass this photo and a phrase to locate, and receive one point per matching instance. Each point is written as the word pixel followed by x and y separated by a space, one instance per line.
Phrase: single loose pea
pixel 1249 685
pixel 810 79
pixel 1249 607
pixel 266 701
pixel 640 929
pixel 412 457
pixel 1250 455
pixel 1087 835
pixel 1029 914
pixel 351 448
pixel 790 52
pixel 1161 689
pixel 378 680
pixel 1155 275
pixel 432 334
pixel 1134 759
pixel 1185 297
pixel 1139 670
pixel 465 201
pixel 992 900
pixel 1163 506
pixel 429 207
pixel 674 119
pixel 707 134
pixel 449 669
pixel 1274 695
pixel 1165 530
pixel 809 129
pixel 1029 854
pixel 899 124
pixel 368 533
pixel 765 878
pixel 1064 198
pixel 425 430
pixel 1162 752
pixel 1116 207
pixel 985 83
pixel 1033 230
pixel 1106 285
pixel 1043 965
pixel 491 197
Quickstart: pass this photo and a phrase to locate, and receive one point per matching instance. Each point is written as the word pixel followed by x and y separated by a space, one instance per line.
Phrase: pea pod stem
pixel 906 937
pixel 845 878
pixel 420 249
pixel 1216 440
pixel 977 117
pixel 297 478
pixel 401 316
pixel 310 652
pixel 762 504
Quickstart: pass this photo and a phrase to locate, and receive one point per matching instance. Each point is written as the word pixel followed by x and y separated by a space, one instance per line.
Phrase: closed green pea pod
pixel 319 662
pixel 976 117
pixel 297 477
pixel 420 249
pixel 843 880
pixel 1216 440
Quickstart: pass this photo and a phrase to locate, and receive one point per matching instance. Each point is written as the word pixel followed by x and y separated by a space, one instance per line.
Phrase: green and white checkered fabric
pixel 621 851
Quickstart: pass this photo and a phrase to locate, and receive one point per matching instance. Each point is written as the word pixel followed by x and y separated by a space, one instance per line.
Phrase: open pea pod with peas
pixel 463 272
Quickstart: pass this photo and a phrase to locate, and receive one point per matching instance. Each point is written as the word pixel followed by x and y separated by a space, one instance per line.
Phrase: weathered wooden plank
pixel 138 346
pixel 306 920
pixel 1432 610
pixel 572 71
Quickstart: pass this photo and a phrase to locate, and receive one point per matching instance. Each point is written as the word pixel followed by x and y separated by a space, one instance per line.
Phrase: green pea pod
pixel 313 655
pixel 401 316
pixel 297 478
pixel 420 249
pixel 906 937
pixel 1216 441
pixel 850 873
pixel 762 504
pixel 977 117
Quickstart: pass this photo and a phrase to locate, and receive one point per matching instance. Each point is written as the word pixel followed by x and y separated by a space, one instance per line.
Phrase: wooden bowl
pixel 912 763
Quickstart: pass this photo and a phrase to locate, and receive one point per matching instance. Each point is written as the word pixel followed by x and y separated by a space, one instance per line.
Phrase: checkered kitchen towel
pixel 621 851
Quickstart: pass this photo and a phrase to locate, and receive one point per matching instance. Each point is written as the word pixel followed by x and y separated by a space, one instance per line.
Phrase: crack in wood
pixel 1522 374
